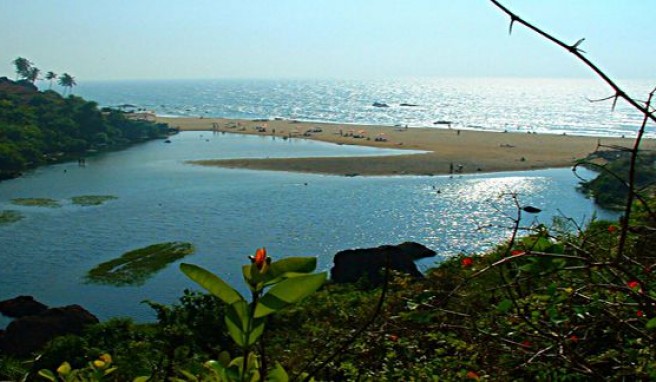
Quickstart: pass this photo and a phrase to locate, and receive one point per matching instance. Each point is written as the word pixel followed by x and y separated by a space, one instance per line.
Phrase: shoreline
pixel 447 150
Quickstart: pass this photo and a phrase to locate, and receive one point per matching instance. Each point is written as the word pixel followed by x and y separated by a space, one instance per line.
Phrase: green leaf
pixel 651 324
pixel 189 377
pixel 504 306
pixel 143 378
pixel 256 331
pixel 236 319
pixel 293 264
pixel 288 292
pixel 212 283
pixel 47 374
pixel 278 374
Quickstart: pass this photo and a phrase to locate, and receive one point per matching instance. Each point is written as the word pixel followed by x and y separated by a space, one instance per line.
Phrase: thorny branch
pixel 578 53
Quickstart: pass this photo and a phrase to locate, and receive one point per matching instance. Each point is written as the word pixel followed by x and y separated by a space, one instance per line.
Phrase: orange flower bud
pixel 260 258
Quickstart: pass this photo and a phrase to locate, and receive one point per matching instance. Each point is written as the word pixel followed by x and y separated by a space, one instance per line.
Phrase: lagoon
pixel 228 213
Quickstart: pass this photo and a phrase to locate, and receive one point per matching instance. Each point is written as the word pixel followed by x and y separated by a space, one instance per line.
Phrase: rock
pixel 21 306
pixel 352 264
pixel 379 104
pixel 415 250
pixel 30 333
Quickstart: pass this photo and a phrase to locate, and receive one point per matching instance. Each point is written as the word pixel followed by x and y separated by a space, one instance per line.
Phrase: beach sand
pixel 466 151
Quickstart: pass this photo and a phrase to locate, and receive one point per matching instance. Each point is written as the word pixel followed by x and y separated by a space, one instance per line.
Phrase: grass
pixel 133 268
pixel 92 200
pixel 10 216
pixel 36 202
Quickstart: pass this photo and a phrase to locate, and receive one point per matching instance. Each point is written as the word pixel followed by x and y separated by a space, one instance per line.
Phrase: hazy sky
pixel 162 39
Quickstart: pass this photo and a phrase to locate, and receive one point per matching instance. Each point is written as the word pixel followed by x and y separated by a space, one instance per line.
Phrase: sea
pixel 228 213
pixel 552 106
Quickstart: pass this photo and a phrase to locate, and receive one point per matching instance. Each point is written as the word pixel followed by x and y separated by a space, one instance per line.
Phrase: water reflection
pixel 226 214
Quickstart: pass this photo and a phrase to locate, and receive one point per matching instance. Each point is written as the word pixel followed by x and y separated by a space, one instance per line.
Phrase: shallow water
pixel 228 213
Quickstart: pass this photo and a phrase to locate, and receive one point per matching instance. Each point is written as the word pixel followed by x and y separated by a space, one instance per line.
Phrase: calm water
pixel 540 105
pixel 227 214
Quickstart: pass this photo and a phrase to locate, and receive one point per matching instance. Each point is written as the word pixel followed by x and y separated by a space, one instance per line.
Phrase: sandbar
pixel 446 150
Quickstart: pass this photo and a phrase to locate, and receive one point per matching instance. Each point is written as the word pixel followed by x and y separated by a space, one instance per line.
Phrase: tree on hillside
pixel 67 81
pixel 51 76
pixel 23 67
pixel 33 74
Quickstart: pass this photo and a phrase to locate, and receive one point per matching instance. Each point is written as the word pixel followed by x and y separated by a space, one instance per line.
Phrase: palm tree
pixel 51 76
pixel 23 67
pixel 33 74
pixel 67 81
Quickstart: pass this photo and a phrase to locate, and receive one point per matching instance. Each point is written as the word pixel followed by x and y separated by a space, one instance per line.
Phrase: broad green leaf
pixel 278 374
pixel 504 306
pixel 212 283
pixel 236 319
pixel 293 264
pixel 47 374
pixel 143 378
pixel 217 368
pixel 256 331
pixel 651 324
pixel 288 292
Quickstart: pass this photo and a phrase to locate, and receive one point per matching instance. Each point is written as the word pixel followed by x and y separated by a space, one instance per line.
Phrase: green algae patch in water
pixel 10 216
pixel 36 202
pixel 133 268
pixel 92 200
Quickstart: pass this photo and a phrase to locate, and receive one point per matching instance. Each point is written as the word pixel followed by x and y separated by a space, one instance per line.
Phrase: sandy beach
pixel 464 151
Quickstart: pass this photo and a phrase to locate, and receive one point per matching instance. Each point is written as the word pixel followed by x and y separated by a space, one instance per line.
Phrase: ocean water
pixel 228 213
pixel 554 106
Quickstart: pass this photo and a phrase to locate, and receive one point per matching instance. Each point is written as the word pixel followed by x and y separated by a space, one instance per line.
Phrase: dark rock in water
pixel 352 264
pixel 408 104
pixel 30 333
pixel 379 104
pixel 21 306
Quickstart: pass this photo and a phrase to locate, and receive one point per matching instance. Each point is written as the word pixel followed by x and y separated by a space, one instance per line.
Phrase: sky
pixel 323 39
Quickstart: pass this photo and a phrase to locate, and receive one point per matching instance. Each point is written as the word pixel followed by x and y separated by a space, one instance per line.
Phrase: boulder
pixel 352 264
pixel 30 333
pixel 415 250
pixel 21 306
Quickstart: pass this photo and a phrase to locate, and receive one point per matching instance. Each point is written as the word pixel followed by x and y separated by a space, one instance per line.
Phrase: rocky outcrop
pixel 30 333
pixel 21 306
pixel 353 264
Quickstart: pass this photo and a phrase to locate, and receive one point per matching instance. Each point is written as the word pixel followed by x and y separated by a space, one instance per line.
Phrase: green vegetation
pixel 92 200
pixel 274 286
pixel 135 267
pixel 609 188
pixel 43 127
pixel 549 306
pixel 10 216
pixel 36 202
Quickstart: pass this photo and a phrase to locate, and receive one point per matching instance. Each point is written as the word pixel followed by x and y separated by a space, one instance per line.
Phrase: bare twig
pixel 578 53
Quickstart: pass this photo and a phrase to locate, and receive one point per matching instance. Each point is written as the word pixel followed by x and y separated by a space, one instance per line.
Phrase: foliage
pixel 41 127
pixel 610 188
pixel 12 369
pixel 95 371
pixel 36 202
pixel 136 266
pixel 274 286
pixel 92 200
pixel 10 216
